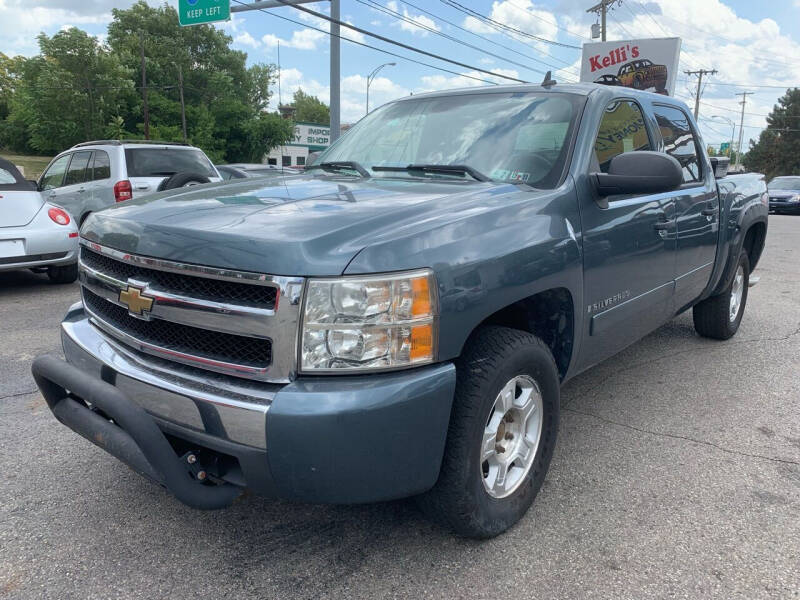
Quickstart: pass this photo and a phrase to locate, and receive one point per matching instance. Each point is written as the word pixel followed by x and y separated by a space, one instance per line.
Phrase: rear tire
pixel 63 273
pixel 719 317
pixel 467 497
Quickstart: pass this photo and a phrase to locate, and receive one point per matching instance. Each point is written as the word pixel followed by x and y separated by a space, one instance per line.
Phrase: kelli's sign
pixel 642 64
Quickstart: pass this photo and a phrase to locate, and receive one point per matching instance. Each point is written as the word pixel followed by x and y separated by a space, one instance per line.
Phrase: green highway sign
pixel 197 12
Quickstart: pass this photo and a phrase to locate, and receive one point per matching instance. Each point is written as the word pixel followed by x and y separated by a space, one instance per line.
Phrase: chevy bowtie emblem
pixel 136 302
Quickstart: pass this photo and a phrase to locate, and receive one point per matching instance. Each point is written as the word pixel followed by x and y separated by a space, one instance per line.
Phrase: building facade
pixel 308 138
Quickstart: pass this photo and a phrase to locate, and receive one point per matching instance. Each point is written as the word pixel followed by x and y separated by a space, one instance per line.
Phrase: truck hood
pixel 783 193
pixel 302 225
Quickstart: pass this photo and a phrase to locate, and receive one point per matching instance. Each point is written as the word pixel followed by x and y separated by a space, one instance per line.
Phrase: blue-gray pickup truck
pixel 398 320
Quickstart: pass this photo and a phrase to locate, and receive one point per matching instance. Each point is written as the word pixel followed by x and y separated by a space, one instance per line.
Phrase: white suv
pixel 92 175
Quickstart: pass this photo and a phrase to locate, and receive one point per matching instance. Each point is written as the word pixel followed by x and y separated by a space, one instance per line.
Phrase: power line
pixel 377 36
pixel 535 16
pixel 390 12
pixel 381 50
pixel 472 33
pixel 484 18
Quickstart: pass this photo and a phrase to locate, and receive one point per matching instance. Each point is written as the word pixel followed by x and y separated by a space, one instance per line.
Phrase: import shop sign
pixel 650 64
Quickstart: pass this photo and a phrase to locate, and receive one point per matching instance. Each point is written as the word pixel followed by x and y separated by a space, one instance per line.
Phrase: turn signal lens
pixel 58 215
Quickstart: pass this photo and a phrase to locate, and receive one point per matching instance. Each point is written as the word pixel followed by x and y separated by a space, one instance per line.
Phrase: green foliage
pixel 777 151
pixel 77 89
pixel 310 109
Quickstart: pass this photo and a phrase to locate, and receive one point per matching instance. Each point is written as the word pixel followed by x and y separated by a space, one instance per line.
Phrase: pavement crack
pixel 683 438
pixel 17 394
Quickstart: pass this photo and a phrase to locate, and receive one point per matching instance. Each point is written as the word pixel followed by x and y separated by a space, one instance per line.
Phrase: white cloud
pixel 302 39
pixel 432 83
pixel 415 24
pixel 245 39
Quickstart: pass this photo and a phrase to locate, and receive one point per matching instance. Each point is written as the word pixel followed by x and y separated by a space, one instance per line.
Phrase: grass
pixel 33 165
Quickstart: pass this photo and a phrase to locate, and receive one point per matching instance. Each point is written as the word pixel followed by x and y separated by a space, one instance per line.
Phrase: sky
pixel 752 44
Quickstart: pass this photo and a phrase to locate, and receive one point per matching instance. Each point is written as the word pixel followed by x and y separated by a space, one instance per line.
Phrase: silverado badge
pixel 136 302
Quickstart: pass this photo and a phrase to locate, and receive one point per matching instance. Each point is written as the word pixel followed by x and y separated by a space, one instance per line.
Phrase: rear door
pixel 696 205
pixel 628 244
pixel 98 181
pixel 74 195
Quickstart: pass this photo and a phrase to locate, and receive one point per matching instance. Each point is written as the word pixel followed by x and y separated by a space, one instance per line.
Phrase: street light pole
pixel 372 75
pixel 733 129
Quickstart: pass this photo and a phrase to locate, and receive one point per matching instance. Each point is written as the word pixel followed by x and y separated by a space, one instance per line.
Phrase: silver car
pixel 34 234
pixel 93 175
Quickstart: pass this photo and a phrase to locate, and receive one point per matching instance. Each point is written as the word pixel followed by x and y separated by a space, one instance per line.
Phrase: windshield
pixel 785 183
pixel 520 137
pixel 159 162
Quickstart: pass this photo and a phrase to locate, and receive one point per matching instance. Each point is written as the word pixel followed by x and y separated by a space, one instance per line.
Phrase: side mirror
pixel 720 165
pixel 640 172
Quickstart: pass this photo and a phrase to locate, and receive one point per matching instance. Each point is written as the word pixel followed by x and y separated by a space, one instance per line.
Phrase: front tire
pixel 63 273
pixel 502 433
pixel 719 317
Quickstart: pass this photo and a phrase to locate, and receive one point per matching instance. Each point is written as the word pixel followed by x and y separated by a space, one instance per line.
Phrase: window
pixel 54 176
pixel 77 168
pixel 6 177
pixel 622 130
pixel 102 165
pixel 679 140
pixel 272 161
pixel 286 161
pixel 301 161
pixel 164 162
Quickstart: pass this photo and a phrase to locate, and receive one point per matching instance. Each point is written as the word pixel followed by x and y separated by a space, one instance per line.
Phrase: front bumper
pixel 340 439
pixel 788 207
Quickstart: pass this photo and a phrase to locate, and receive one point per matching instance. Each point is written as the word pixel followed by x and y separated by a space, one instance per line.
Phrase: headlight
pixel 368 323
pixel 795 198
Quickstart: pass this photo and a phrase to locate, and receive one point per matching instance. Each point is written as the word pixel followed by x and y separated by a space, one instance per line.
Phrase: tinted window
pixel 286 161
pixel 272 161
pixel 102 165
pixel 163 162
pixel 301 160
pixel 54 176
pixel 77 168
pixel 621 130
pixel 679 140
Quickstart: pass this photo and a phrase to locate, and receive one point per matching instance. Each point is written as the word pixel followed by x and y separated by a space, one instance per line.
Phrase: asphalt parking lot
pixel 677 475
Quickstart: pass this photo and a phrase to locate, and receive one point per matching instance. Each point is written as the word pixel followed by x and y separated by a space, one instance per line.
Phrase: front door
pixel 73 195
pixel 696 206
pixel 628 245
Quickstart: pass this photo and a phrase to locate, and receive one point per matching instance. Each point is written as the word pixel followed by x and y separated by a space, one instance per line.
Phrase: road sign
pixel 724 147
pixel 197 12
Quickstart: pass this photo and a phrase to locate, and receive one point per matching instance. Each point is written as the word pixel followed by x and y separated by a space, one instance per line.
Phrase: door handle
pixel 662 225
pixel 142 188
pixel 709 211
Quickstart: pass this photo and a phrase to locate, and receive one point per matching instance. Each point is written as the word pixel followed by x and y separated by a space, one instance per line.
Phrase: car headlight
pixel 369 322
pixel 795 198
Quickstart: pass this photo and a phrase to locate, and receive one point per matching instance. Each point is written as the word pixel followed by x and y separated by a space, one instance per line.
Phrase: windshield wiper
pixel 444 169
pixel 341 165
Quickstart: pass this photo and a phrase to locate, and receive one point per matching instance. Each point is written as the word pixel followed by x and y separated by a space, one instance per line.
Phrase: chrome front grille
pixel 233 322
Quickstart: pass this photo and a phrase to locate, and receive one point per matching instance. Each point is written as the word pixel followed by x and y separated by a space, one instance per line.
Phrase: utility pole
pixel 183 104
pixel 744 96
pixel 145 109
pixel 699 74
pixel 601 8
pixel 335 78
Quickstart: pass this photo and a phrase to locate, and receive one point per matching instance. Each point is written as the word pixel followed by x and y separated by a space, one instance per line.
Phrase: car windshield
pixel 521 137
pixel 160 162
pixel 785 183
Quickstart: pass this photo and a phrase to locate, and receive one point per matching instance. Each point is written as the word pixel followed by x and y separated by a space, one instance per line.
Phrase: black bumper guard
pixel 133 437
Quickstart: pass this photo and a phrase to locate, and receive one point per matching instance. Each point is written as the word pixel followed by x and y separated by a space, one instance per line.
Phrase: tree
pixel 310 109
pixel 777 151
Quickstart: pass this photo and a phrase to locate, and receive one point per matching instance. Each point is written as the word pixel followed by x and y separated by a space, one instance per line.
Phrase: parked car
pixel 242 170
pixel 398 320
pixel 643 74
pixel 93 175
pixel 784 194
pixel 33 233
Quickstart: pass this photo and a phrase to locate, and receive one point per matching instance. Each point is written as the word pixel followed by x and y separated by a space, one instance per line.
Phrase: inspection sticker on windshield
pixel 510 175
